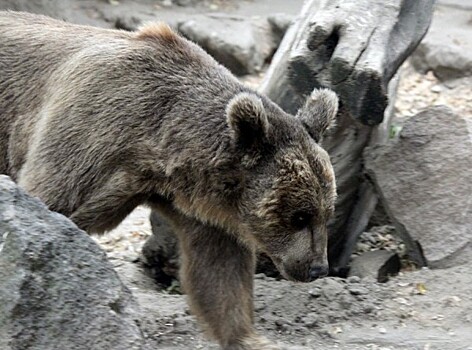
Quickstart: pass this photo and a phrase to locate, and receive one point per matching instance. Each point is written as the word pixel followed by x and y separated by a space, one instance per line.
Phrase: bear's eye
pixel 301 219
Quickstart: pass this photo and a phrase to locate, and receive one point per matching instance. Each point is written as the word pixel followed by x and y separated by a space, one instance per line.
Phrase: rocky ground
pixel 424 309
pixel 421 309
pixel 417 91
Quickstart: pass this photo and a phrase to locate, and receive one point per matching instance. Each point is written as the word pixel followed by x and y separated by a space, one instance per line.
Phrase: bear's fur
pixel 95 122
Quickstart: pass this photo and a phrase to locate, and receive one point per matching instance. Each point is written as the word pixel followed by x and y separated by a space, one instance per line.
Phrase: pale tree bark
pixel 354 47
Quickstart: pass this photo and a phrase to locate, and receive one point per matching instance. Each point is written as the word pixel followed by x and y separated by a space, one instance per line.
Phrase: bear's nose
pixel 318 271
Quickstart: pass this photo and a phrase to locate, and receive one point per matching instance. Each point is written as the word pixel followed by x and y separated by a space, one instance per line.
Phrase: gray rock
pixel 459 4
pixel 378 265
pixel 279 23
pixel 53 8
pixel 357 290
pixel 353 279
pixel 57 289
pixel 127 22
pixel 332 288
pixel 425 184
pixel 241 44
pixel 447 48
pixel 69 10
pixel 188 3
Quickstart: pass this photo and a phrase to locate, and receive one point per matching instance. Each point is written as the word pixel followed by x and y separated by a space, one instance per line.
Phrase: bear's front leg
pixel 217 273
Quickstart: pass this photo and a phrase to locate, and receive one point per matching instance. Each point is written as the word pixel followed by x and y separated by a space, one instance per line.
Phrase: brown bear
pixel 95 122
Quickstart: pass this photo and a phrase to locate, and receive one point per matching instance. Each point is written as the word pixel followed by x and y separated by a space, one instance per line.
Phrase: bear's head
pixel 289 186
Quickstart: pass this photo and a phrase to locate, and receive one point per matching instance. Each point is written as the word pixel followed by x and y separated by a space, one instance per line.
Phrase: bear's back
pixel 104 70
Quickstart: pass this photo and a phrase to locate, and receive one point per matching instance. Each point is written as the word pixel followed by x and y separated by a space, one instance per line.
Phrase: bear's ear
pixel 319 112
pixel 247 119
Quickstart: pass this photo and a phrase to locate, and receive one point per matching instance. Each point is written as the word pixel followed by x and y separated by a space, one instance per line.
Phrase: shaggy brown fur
pixel 158 31
pixel 96 122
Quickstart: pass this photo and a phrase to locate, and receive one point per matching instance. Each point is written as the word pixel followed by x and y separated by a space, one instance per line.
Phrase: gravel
pixel 417 91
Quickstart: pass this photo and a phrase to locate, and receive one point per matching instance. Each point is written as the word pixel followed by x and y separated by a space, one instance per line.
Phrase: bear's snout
pixel 303 272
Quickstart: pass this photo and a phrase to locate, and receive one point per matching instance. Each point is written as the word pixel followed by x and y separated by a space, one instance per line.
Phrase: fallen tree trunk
pixel 354 47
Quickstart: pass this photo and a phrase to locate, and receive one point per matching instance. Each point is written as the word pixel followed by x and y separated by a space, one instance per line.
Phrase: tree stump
pixel 353 47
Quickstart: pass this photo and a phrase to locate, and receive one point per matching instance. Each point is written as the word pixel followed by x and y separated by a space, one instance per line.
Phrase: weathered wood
pixel 367 198
pixel 353 47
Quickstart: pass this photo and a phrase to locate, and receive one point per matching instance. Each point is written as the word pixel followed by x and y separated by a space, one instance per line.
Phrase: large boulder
pixel 460 4
pixel 425 184
pixel 53 8
pixel 447 52
pixel 74 11
pixel 57 289
pixel 241 44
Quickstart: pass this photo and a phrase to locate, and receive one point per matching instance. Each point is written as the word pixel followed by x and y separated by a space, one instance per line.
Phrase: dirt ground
pixel 423 309
pixel 419 310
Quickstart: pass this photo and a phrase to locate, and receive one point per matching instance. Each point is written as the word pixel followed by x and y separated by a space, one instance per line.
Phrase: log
pixel 354 47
